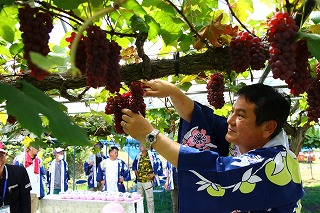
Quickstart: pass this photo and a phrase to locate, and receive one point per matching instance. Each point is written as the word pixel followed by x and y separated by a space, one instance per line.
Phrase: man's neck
pixel 144 153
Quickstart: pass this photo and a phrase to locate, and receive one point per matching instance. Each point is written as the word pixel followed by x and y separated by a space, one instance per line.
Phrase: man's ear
pixel 270 127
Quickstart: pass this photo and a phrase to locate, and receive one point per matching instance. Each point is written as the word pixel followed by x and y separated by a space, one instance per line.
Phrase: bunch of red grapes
pixel 299 81
pixel 246 51
pixel 81 56
pixel 98 58
pixel 113 81
pixel 132 99
pixel 215 88
pixel 313 110
pixel 97 51
pixel 35 27
pixel 281 34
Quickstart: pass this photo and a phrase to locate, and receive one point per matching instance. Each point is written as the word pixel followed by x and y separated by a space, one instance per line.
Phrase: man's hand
pixel 151 176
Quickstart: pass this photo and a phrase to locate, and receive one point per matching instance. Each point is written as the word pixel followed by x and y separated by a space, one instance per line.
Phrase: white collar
pixel 280 139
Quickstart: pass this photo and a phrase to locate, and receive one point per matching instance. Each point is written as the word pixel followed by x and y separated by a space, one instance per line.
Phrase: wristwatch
pixel 151 138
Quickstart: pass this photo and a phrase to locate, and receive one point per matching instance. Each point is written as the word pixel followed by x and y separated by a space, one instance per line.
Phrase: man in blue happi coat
pixel 262 175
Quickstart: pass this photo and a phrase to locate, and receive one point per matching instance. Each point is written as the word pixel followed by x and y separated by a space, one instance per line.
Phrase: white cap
pixel 59 149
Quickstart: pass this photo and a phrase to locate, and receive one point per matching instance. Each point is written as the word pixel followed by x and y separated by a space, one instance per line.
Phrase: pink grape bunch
pixel 97 51
pixel 136 101
pixel 246 51
pixel 113 80
pixel 132 99
pixel 281 34
pixel 299 81
pixel 215 89
pixel 35 27
pixel 98 58
pixel 313 99
pixel 81 56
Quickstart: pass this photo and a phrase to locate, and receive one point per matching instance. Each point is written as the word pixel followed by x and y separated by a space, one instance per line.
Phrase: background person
pixel 58 174
pixel 265 177
pixel 147 168
pixel 36 172
pixel 91 167
pixel 15 186
pixel 172 185
pixel 112 172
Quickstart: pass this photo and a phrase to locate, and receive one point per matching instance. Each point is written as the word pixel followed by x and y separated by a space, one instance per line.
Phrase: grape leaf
pixel 6 2
pixel 68 5
pixel 7 33
pixel 242 8
pixel 214 31
pixel 29 104
pixel 315 17
pixel 313 43
pixel 46 62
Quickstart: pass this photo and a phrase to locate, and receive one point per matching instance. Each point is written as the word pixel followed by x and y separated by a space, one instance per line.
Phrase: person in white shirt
pixel 58 174
pixel 112 172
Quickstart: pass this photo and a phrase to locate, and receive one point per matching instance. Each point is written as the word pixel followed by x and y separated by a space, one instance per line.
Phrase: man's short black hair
pixel 113 148
pixel 270 104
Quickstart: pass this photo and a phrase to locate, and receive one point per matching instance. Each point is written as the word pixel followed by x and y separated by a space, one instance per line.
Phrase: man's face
pixel 3 160
pixel 60 155
pixel 242 130
pixel 34 151
pixel 113 154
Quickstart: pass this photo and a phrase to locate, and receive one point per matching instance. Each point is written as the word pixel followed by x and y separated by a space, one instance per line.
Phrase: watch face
pixel 150 138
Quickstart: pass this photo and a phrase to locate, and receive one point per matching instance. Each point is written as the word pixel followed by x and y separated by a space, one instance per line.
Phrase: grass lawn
pixel 310 173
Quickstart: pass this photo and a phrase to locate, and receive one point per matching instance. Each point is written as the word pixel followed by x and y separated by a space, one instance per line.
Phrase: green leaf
pixel 315 17
pixel 29 103
pixel 185 86
pixel 6 2
pixel 16 48
pixel 185 42
pixel 138 24
pixel 68 5
pixel 170 26
pixel 242 8
pixel 154 27
pixel 46 62
pixel 7 33
pixel 313 43
pixel 134 6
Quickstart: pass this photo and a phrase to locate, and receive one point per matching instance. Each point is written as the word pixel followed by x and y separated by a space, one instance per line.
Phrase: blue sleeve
pixel 42 173
pixel 261 179
pixel 86 168
pixel 134 164
pixel 126 172
pixel 99 174
pixel 211 127
pixel 67 172
pixel 157 167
